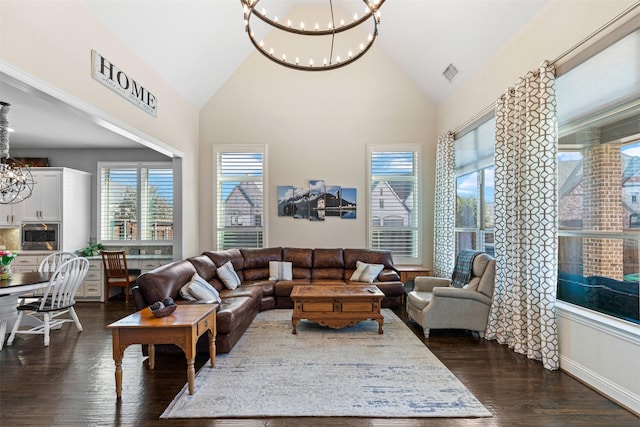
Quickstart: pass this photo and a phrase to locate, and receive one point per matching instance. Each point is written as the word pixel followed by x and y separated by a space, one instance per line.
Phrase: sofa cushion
pixel 370 256
pixel 233 255
pixel 232 313
pixel 165 281
pixel 206 269
pixel 283 288
pixel 328 258
pixel 280 270
pixel 228 275
pixel 366 272
pixel 255 258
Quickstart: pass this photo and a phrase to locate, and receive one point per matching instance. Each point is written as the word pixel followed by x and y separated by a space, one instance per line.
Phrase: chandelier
pixel 331 38
pixel 16 182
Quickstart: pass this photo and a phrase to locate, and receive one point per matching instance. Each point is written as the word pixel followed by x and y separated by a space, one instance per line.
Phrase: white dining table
pixel 12 289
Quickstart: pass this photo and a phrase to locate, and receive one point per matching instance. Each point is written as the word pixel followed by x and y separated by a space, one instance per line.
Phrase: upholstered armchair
pixel 435 304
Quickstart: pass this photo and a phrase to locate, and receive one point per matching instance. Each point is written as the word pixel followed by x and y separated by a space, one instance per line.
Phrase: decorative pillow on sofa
pixel 228 275
pixel 366 272
pixel 280 270
pixel 199 289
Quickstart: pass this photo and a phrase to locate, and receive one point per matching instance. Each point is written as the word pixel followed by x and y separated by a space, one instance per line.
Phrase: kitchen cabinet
pixel 45 203
pixel 11 215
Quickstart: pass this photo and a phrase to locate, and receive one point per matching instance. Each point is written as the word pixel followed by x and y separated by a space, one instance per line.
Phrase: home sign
pixel 107 73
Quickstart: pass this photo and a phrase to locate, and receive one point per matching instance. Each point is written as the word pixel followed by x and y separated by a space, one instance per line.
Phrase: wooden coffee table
pixel 336 306
pixel 183 328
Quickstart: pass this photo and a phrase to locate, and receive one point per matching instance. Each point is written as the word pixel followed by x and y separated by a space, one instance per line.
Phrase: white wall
pixel 51 42
pixel 317 126
pixel 596 352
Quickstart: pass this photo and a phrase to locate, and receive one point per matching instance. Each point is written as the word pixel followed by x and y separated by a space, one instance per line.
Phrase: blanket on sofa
pixel 463 268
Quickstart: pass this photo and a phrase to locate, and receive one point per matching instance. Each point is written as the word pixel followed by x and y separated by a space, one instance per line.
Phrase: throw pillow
pixel 280 270
pixel 228 275
pixel 366 272
pixel 184 293
pixel 200 289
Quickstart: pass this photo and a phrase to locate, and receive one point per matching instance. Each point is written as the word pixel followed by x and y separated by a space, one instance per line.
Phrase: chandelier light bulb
pixel 311 62
pixel 355 16
pixel 302 25
pixel 338 60
pixel 350 54
pixel 330 25
pixel 289 23
pixel 324 62
pixel 264 12
pixel 361 46
pixel 275 19
pixel 297 60
pixel 342 22
pixel 261 43
pixel 284 56
pixel 271 51
pixel 317 26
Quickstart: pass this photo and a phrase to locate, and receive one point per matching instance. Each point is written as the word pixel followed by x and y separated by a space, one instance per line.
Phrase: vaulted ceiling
pixel 196 45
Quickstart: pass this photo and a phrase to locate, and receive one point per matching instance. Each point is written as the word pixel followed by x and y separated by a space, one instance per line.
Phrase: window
pixel 475 200
pixel 135 202
pixel 394 201
pixel 239 197
pixel 598 181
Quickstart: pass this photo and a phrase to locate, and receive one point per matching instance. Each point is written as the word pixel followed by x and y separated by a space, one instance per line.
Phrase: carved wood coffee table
pixel 183 328
pixel 336 306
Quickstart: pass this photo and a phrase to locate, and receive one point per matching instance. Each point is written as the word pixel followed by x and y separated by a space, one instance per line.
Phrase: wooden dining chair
pixel 116 273
pixel 58 299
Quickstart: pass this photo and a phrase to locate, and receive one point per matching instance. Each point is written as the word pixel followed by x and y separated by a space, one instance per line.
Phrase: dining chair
pixel 57 300
pixel 48 265
pixel 116 273
pixel 51 262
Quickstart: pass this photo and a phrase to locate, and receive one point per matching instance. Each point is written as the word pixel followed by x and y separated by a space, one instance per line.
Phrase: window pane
pixel 570 190
pixel 467 201
pixel 588 278
pixel 393 194
pixel 465 240
pixel 157 203
pixel 488 206
pixel 136 202
pixel 240 200
pixel 119 193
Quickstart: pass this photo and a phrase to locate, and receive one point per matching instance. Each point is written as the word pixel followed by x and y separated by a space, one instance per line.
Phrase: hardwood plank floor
pixel 72 383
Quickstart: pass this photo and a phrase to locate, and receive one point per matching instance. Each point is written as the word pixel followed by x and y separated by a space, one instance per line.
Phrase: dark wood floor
pixel 72 383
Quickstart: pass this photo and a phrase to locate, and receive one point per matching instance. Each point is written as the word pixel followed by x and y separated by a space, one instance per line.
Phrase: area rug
pixel 323 372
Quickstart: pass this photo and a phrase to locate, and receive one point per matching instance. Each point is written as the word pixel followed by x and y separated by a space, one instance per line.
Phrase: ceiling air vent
pixel 450 72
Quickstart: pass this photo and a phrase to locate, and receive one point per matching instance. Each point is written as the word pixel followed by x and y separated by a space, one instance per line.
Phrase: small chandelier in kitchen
pixel 16 181
pixel 294 44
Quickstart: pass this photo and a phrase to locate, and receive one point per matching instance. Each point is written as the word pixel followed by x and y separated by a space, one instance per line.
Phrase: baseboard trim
pixel 613 327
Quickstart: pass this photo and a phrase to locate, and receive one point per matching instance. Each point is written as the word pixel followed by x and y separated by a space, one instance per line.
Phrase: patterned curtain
pixel 444 208
pixel 523 311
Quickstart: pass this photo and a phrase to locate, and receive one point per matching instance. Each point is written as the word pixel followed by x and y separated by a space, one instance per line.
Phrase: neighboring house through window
pixel 239 179
pixel 394 201
pixel 135 202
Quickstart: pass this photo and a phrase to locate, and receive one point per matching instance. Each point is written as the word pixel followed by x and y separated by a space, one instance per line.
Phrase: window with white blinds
pixel 239 197
pixel 135 201
pixel 394 201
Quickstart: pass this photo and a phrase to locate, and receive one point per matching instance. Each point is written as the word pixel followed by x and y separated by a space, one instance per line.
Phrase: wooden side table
pixel 183 328
pixel 410 272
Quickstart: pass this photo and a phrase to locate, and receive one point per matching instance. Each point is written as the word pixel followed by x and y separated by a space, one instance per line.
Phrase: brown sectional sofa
pixel 256 292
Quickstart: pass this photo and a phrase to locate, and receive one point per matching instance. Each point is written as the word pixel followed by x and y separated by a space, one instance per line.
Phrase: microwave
pixel 40 237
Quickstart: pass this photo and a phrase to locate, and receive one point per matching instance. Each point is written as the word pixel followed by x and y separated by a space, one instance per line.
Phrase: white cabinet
pixel 11 215
pixel 60 195
pixel 45 203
